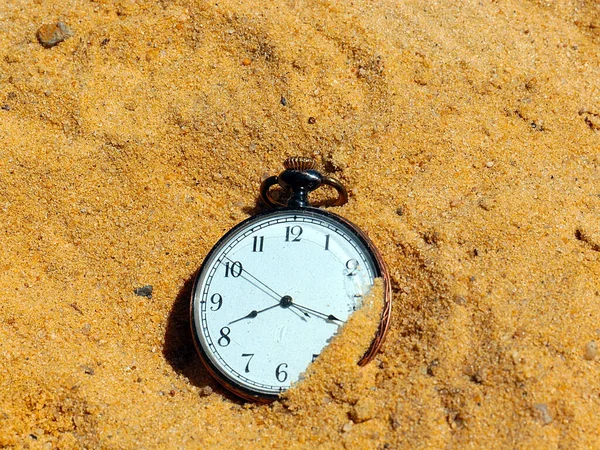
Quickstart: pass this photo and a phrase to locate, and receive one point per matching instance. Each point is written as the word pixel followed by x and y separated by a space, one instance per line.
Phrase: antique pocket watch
pixel 276 287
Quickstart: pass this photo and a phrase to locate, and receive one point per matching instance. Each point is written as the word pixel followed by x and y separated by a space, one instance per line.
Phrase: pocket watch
pixel 278 286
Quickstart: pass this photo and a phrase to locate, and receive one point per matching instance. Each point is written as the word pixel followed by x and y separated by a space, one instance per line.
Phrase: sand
pixel 468 134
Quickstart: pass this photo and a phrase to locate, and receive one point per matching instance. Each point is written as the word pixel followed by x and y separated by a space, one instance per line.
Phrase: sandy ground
pixel 467 132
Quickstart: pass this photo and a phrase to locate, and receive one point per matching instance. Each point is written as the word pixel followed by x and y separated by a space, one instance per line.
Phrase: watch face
pixel 273 292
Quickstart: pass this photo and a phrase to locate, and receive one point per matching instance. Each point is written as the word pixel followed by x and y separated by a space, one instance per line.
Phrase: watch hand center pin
pixel 286 301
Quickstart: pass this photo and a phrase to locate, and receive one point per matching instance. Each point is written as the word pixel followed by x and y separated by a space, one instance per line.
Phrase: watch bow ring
pixel 300 177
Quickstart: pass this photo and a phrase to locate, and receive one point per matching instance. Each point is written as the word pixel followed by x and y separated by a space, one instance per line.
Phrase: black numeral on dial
pixel 352 266
pixel 327 236
pixel 234 269
pixel 224 340
pixel 217 301
pixel 292 234
pixel 257 243
pixel 281 374
pixel 249 356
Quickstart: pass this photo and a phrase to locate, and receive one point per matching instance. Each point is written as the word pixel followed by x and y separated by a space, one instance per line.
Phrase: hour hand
pixel 252 314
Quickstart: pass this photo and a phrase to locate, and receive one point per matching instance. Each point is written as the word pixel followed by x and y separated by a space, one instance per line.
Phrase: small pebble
pixel 283 101
pixel 88 370
pixel 459 299
pixel 519 333
pixel 432 367
pixel 588 237
pixel 365 409
pixel 489 164
pixel 455 202
pixel 347 427
pixel 486 204
pixel 591 350
pixel 312 120
pixel 50 35
pixel 543 413
pixel 144 291
pixel 6 107
pixel 206 391
pixel 432 237
pixel 246 62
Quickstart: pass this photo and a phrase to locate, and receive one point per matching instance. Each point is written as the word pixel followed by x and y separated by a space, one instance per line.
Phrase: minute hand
pixel 318 313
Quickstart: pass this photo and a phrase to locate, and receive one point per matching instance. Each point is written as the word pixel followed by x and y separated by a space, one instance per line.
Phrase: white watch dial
pixel 273 292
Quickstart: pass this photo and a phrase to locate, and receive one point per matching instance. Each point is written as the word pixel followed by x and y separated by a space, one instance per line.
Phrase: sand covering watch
pixel 277 287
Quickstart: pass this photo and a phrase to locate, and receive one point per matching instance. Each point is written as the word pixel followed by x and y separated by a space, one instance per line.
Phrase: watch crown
pixel 300 163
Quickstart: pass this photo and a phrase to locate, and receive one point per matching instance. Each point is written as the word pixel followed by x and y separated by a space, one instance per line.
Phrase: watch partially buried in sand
pixel 277 287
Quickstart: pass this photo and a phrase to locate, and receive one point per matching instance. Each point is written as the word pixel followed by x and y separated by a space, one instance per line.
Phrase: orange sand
pixel 467 132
